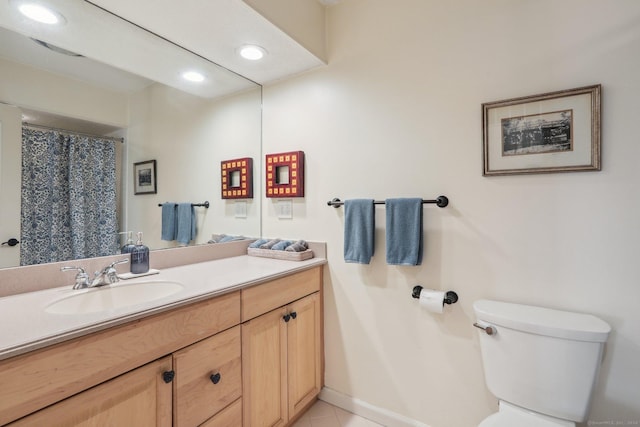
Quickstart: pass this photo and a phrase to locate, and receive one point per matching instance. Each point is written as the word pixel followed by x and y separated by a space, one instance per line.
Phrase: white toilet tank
pixel 541 359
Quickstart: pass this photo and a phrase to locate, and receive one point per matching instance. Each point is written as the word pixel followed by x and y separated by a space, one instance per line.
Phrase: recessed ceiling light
pixel 40 13
pixel 193 76
pixel 252 52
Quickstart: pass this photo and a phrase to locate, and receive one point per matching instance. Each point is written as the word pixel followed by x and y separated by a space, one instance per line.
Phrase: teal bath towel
pixel 168 221
pixel 359 230
pixel 186 223
pixel 404 231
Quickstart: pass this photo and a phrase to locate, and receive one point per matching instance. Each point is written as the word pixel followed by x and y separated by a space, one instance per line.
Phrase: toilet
pixel 542 364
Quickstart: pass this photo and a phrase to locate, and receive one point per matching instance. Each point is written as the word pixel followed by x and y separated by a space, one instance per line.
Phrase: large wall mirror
pixel 100 76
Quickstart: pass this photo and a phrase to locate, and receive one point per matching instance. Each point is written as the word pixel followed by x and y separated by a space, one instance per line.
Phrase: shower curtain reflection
pixel 68 196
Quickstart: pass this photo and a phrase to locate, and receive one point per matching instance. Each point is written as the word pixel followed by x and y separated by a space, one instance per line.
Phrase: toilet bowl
pixel 542 364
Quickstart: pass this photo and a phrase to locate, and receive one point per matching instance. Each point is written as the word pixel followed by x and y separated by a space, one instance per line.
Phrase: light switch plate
pixel 285 209
pixel 240 208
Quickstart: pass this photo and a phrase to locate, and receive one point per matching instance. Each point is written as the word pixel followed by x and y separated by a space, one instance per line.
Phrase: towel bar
pixel 441 202
pixel 205 204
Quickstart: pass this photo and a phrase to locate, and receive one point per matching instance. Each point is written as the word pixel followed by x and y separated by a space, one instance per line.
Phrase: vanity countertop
pixel 26 326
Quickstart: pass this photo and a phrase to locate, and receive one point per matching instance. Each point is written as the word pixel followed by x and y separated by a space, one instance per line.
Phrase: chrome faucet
pixel 82 278
pixel 107 276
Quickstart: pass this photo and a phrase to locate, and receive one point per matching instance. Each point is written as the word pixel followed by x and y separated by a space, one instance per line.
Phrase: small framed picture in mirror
pixel 237 178
pixel 144 177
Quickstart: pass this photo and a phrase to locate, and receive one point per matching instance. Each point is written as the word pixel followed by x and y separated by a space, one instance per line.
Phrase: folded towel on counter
pixel 168 221
pixel 269 244
pixel 404 231
pixel 299 246
pixel 359 230
pixel 281 245
pixel 228 238
pixel 186 223
pixel 258 243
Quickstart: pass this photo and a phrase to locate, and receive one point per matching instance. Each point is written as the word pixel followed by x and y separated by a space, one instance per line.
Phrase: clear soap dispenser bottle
pixel 139 257
pixel 128 247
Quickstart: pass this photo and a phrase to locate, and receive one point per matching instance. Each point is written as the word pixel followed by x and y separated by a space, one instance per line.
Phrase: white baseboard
pixel 366 410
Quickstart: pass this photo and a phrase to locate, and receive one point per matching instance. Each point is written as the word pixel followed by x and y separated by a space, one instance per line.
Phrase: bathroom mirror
pixel 101 75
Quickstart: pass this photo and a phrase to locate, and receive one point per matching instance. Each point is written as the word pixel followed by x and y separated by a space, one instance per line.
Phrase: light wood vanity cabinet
pixel 282 351
pixel 120 376
pixel 138 398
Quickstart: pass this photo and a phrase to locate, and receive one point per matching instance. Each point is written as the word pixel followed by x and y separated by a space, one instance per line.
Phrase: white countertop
pixel 26 326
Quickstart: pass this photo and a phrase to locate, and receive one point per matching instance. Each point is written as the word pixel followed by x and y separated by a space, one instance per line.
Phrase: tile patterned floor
pixel 322 414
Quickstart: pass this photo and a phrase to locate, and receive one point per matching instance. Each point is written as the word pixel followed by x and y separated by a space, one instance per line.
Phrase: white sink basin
pixel 113 296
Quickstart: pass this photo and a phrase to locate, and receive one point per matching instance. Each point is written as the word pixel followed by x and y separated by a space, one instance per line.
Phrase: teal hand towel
pixel 168 221
pixel 186 223
pixel 404 231
pixel 359 230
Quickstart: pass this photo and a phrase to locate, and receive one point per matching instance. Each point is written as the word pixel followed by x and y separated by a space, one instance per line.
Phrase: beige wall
pixel 398 113
pixel 10 177
pixel 188 137
pixel 39 90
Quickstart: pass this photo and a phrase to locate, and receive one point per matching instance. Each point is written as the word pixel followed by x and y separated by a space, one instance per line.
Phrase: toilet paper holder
pixel 450 296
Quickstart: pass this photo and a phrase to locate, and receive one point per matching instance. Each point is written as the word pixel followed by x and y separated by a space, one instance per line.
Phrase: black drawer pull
pixel 286 318
pixel 215 378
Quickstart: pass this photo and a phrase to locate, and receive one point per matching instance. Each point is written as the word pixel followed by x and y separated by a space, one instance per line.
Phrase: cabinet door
pixel 304 354
pixel 264 370
pixel 208 377
pixel 139 398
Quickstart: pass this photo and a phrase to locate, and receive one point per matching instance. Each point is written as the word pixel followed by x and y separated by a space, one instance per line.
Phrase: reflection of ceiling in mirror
pixel 97 34
pixel 18 48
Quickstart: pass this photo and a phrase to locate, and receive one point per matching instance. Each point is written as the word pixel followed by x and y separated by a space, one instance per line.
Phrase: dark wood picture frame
pixel 144 177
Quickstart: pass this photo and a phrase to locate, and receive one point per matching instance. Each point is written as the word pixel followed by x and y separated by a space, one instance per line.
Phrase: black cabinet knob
pixel 294 314
pixel 286 318
pixel 215 378
pixel 168 376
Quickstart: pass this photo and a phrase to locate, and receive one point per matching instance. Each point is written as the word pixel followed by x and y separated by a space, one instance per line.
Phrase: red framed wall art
pixel 285 174
pixel 237 178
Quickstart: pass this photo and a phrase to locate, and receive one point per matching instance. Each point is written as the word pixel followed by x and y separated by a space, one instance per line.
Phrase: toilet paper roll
pixel 432 300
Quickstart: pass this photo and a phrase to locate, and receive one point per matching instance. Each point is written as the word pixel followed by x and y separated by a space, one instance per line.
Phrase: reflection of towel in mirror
pixel 359 230
pixel 168 221
pixel 186 223
pixel 404 231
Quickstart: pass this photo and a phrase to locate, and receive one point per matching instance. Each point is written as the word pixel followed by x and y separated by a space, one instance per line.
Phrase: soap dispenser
pixel 128 247
pixel 139 257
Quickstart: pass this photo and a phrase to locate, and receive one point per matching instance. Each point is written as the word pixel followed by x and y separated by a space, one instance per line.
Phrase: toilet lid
pixel 511 418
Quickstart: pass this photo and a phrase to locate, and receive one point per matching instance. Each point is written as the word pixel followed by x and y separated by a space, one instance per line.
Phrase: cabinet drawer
pixel 263 298
pixel 137 398
pixel 208 377
pixel 229 416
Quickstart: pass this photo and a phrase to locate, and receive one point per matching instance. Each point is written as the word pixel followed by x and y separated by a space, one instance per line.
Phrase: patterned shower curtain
pixel 68 197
